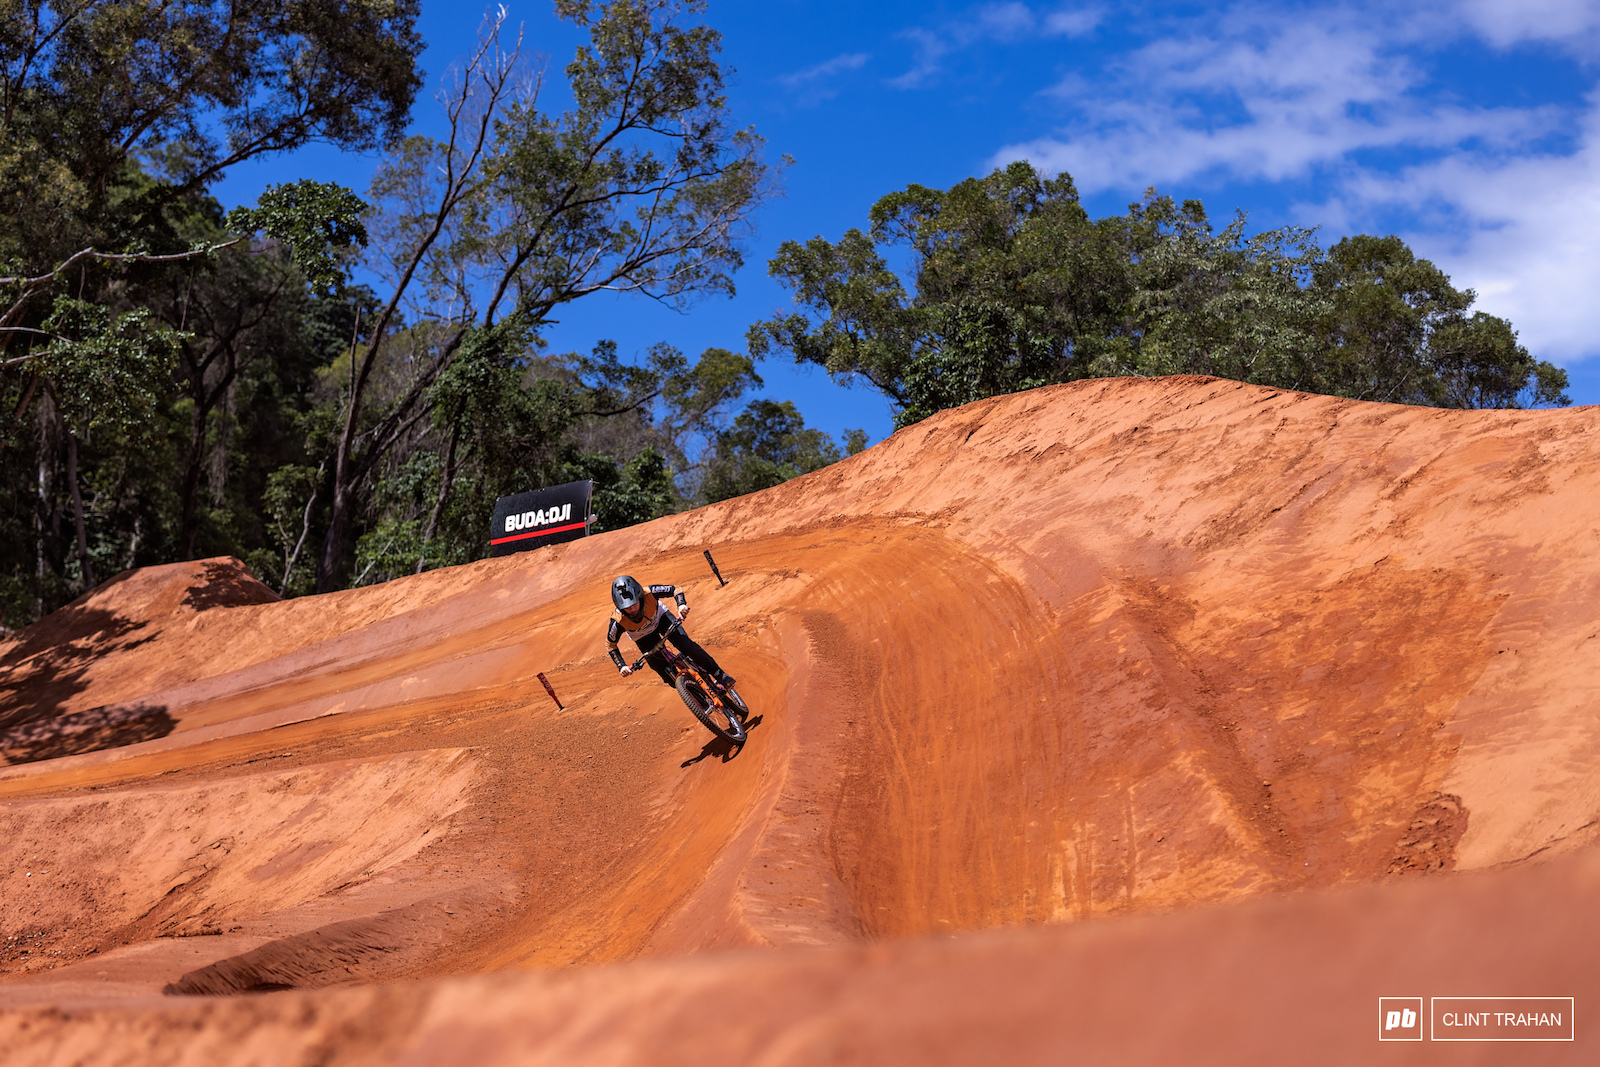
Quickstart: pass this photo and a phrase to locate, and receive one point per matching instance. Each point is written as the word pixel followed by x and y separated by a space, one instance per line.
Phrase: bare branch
pixel 117 257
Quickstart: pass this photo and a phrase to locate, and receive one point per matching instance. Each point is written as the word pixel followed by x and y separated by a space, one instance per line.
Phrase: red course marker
pixel 548 689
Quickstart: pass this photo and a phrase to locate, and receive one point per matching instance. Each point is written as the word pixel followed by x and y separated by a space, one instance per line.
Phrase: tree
pixel 115 116
pixel 1009 284
pixel 768 444
pixel 184 383
pixel 1396 329
pixel 88 85
pixel 642 186
pixel 505 420
pixel 87 88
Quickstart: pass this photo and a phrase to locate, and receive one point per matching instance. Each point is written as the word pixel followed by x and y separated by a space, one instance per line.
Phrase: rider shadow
pixel 722 748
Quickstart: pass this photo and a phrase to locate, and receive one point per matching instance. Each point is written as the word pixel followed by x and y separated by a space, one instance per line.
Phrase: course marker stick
pixel 714 570
pixel 550 689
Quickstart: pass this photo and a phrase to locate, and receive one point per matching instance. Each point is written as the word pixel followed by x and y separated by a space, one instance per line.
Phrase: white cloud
pixel 1523 232
pixel 931 48
pixel 1073 22
pixel 827 68
pixel 1330 96
pixel 1508 22
pixel 1269 102
pixel 817 83
pixel 1002 22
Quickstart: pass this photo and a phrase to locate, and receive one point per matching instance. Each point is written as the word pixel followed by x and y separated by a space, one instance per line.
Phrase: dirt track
pixel 1105 650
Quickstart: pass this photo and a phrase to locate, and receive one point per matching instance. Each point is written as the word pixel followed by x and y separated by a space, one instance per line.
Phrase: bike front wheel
pixel 724 721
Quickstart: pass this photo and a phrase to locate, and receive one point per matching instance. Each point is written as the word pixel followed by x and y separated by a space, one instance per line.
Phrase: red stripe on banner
pixel 541 533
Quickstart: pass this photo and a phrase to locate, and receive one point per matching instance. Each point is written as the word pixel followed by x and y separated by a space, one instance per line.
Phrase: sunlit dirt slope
pixel 1119 648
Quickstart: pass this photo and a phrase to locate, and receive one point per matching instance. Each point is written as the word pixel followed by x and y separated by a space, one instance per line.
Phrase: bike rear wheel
pixel 713 716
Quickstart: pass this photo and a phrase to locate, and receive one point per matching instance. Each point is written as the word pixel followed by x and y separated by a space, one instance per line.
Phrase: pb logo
pixel 1400 1019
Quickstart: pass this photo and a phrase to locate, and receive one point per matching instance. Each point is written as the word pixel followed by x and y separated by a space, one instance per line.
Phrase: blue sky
pixel 1472 129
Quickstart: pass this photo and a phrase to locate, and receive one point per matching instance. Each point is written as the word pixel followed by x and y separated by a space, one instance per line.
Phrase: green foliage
pixel 768 444
pixel 1479 364
pixel 637 491
pixel 1011 285
pixel 1398 330
pixel 642 185
pixel 107 370
pixel 289 501
pixel 180 392
pixel 89 89
pixel 315 220
pixel 507 420
pixel 1219 303
pixel 977 349
pixel 389 550
pixel 153 376
pixel 701 392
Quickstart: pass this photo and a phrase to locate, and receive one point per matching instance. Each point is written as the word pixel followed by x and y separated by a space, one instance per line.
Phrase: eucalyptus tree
pixel 640 185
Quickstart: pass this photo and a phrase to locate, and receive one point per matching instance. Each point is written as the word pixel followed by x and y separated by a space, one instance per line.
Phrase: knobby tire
pixel 711 715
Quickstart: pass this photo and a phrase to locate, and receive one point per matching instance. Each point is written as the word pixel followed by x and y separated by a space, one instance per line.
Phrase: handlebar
pixel 664 649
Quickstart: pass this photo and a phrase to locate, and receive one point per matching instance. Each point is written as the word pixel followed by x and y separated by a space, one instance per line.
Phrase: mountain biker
pixel 642 616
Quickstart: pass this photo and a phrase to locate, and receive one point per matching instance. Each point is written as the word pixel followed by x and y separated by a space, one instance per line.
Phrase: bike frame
pixel 682 664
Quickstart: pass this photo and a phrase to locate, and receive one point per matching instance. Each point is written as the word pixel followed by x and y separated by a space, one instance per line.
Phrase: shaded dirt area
pixel 1121 669
pixel 1277 979
pixel 46 669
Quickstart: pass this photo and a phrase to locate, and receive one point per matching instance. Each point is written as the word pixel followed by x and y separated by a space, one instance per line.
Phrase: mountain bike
pixel 718 707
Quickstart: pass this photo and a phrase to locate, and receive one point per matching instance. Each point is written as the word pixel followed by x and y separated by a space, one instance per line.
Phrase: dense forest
pixel 334 386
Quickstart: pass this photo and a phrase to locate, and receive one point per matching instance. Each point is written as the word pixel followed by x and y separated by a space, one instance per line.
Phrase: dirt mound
pixel 1117 648
pixel 1277 980
pixel 51 671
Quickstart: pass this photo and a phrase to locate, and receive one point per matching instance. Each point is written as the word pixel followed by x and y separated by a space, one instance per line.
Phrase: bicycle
pixel 719 708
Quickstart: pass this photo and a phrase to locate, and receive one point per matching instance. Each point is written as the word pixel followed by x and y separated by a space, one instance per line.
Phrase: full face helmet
pixel 628 596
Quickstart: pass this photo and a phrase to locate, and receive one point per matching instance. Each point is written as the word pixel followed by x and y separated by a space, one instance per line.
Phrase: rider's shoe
pixel 725 679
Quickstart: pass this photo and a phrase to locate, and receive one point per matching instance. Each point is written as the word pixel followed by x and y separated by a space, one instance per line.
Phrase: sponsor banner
pixel 1501 1019
pixel 1400 1018
pixel 543 517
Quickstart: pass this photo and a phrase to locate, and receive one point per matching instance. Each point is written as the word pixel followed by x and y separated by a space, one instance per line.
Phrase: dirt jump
pixel 1128 721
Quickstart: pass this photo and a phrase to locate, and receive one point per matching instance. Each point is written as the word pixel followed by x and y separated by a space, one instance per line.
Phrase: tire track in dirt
pixel 1107 648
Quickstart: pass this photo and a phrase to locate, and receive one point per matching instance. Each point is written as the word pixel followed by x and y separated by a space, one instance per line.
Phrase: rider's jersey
pixel 651 626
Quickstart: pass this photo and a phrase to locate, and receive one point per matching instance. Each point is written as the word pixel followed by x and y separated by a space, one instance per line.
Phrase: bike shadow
pixel 722 748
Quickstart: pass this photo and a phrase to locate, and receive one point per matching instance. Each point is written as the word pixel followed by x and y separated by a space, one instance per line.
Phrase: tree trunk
pixel 188 526
pixel 305 531
pixel 447 477
pixel 38 531
pixel 84 565
pixel 204 401
pixel 343 454
pixel 329 566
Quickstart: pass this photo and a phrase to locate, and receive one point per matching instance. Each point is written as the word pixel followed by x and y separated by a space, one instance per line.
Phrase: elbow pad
pixel 616 657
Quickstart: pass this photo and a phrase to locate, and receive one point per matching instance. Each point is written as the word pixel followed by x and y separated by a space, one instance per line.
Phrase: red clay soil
pixel 1133 721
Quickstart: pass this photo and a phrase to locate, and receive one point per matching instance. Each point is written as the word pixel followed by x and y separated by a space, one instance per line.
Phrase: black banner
pixel 543 517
